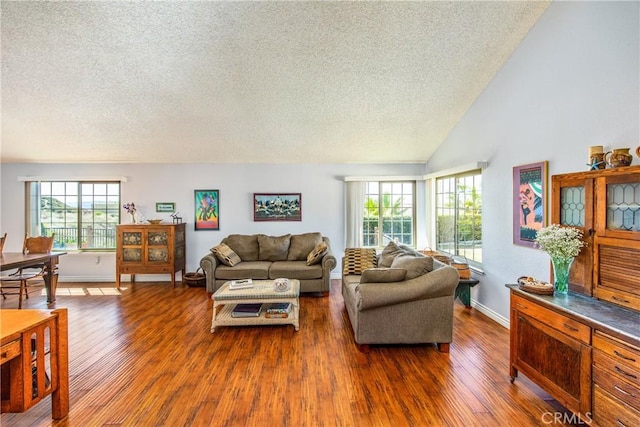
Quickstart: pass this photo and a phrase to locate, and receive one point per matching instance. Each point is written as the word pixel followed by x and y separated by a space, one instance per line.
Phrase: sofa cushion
pixel 383 275
pixel 302 244
pixel 226 255
pixel 245 270
pixel 357 260
pixel 315 256
pixel 415 265
pixel 295 270
pixel 273 248
pixel 246 246
pixel 391 251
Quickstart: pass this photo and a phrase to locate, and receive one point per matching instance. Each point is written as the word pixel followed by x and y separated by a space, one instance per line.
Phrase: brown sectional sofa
pixel 272 257
pixel 388 306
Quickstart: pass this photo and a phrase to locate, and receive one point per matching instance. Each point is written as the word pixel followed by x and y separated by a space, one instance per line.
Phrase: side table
pixel 463 291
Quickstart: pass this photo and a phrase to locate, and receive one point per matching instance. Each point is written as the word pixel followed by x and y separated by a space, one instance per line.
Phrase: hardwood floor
pixel 147 358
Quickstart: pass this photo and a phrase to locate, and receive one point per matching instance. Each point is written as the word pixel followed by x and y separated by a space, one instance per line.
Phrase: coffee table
pixel 225 299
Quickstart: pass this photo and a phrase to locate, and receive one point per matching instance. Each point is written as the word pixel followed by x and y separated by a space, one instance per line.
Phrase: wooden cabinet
pixel 584 348
pixel 616 381
pixel 553 351
pixel 605 204
pixel 150 249
pixel 34 360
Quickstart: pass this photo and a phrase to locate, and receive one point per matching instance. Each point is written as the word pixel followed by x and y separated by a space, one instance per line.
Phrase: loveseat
pixel 398 297
pixel 306 257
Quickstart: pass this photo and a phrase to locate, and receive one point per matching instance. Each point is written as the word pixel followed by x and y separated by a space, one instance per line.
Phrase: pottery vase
pixel 618 157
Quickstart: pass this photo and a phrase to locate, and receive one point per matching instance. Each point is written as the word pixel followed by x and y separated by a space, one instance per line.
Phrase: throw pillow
pixel 302 245
pixel 383 275
pixel 226 255
pixel 357 260
pixel 315 256
pixel 274 248
pixel 391 251
pixel 415 265
pixel 245 245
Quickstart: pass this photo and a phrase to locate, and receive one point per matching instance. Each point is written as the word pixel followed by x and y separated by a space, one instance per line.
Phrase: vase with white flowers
pixel 562 244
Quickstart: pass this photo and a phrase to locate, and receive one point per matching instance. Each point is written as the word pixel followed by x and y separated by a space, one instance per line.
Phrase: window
pixel 389 213
pixel 459 215
pixel 83 215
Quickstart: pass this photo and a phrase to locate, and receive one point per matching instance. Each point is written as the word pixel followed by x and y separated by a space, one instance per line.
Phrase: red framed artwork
pixel 529 202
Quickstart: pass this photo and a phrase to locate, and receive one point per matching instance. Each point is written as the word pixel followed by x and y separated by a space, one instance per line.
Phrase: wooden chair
pixel 19 279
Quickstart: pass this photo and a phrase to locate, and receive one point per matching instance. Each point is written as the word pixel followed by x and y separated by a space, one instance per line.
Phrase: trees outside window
pixel 389 213
pixel 459 215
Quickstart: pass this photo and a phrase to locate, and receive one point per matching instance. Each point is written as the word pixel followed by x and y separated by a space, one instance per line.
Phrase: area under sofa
pixel 260 256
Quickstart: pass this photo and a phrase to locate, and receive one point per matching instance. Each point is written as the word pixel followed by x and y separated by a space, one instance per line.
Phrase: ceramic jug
pixel 638 151
pixel 618 157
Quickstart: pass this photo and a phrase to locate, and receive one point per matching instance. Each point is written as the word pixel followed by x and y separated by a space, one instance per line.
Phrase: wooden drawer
pixel 609 411
pixel 555 320
pixel 9 351
pixel 618 350
pixel 618 297
pixel 606 363
pixel 612 384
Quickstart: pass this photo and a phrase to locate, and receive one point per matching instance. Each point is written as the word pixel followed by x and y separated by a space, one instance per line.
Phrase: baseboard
pixel 490 313
pixel 124 279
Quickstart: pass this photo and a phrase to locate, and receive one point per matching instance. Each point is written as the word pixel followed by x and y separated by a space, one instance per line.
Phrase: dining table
pixel 14 260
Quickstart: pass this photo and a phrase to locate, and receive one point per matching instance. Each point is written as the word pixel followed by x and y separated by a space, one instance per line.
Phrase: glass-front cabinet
pixel 150 249
pixel 605 204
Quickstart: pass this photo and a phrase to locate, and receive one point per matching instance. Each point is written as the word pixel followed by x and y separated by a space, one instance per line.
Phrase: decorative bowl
pixel 154 221
pixel 529 284
pixel 281 285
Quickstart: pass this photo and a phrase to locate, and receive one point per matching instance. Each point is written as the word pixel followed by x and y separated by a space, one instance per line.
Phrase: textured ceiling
pixel 250 82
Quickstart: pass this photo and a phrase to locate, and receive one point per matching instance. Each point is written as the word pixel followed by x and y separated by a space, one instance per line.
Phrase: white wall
pixel 572 83
pixel 322 189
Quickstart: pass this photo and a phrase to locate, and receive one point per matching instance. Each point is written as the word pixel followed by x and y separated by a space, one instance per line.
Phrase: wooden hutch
pixel 150 249
pixel 584 348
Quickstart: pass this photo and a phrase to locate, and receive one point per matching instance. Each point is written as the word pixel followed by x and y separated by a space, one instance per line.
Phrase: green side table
pixel 463 291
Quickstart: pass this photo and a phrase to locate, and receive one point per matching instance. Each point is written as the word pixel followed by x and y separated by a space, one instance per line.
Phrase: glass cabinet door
pixel 572 206
pixel 623 206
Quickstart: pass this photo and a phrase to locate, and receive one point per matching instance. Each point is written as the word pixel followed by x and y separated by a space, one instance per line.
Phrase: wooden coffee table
pixel 224 300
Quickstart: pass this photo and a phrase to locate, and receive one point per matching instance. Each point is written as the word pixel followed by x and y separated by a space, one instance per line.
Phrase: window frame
pixel 456 209
pixel 381 183
pixel 75 191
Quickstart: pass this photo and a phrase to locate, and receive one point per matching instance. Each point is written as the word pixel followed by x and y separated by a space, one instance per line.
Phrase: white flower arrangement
pixel 560 242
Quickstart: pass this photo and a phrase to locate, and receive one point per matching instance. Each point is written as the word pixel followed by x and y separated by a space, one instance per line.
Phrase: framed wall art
pixel 207 209
pixel 165 207
pixel 529 202
pixel 277 207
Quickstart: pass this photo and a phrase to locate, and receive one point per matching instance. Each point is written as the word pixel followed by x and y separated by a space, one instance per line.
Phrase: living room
pixel 572 82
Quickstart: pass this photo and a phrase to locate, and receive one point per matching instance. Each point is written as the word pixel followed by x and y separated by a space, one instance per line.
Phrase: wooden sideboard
pixel 584 348
pixel 34 360
pixel 584 352
pixel 150 249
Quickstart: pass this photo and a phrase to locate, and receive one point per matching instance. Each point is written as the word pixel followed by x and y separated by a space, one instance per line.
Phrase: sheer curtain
pixel 354 207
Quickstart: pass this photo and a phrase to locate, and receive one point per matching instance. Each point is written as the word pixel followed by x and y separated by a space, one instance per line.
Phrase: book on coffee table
pixel 241 284
pixel 247 310
pixel 279 307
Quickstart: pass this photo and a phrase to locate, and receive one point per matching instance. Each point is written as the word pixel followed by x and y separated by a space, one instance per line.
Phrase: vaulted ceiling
pixel 246 82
